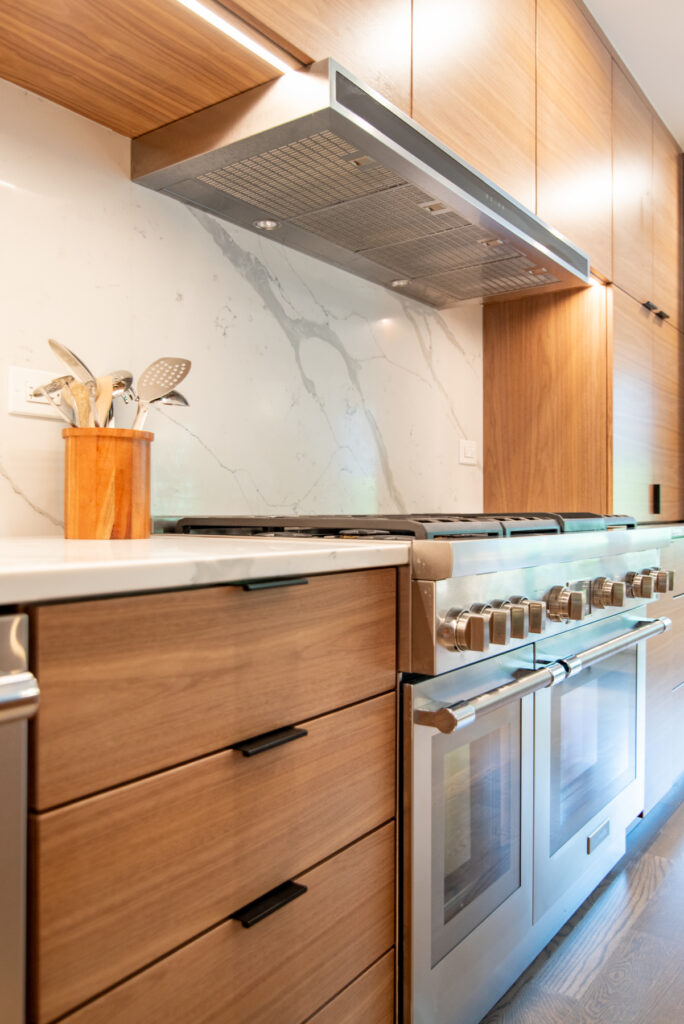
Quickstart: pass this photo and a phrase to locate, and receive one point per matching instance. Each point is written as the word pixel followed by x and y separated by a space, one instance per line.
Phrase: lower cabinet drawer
pixel 124 877
pixel 282 968
pixel 370 998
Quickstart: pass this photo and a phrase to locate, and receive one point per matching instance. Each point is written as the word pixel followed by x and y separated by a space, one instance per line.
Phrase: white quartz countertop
pixel 34 569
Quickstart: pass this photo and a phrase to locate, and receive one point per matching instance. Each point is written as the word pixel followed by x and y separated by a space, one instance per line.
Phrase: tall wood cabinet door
pixel 372 40
pixel 574 175
pixel 632 189
pixel 634 426
pixel 473 85
pixel 546 383
pixel 668 265
pixel 667 348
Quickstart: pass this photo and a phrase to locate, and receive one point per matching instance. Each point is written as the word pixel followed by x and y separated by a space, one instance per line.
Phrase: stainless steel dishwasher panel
pixel 18 701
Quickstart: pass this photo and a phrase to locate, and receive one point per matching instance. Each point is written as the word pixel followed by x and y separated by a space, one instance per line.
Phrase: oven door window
pixel 593 743
pixel 476 824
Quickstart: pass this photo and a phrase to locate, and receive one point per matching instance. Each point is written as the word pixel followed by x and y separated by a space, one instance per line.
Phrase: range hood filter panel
pixel 351 180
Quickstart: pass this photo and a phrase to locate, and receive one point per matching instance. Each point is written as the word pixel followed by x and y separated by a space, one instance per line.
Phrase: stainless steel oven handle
pixel 459 715
pixel 19 695
pixel 642 631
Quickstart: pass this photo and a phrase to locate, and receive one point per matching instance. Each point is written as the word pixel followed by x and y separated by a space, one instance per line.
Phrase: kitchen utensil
pixel 80 372
pixel 122 385
pixel 159 379
pixel 44 391
pixel 80 396
pixel 103 401
pixel 173 398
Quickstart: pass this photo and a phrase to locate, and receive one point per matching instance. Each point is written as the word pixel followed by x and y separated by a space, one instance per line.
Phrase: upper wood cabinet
pixel 647 203
pixel 668 262
pixel 632 189
pixel 574 130
pixel 546 383
pixel 372 40
pixel 473 85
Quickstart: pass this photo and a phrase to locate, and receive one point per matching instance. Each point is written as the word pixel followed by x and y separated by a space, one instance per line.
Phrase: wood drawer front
pixel 125 876
pixel 281 969
pixel 370 998
pixel 132 685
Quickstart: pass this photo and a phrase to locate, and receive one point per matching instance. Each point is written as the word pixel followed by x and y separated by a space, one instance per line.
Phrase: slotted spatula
pixel 160 377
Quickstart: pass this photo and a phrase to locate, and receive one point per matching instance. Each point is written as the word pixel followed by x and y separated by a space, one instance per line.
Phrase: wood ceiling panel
pixel 131 65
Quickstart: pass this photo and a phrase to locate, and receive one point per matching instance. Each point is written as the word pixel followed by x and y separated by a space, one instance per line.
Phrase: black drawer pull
pixel 268 904
pixel 268 740
pixel 656 499
pixel 662 315
pixel 650 306
pixel 292 581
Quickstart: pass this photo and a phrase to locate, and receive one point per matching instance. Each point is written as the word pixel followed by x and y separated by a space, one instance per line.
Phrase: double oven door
pixel 515 816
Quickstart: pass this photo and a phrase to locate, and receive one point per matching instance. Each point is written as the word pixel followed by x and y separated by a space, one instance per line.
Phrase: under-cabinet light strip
pixel 242 33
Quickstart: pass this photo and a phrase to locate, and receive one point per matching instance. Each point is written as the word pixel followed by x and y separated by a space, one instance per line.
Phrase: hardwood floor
pixel 620 958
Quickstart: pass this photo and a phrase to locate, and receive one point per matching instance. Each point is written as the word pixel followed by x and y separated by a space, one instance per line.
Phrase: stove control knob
pixel 607 593
pixel 461 630
pixel 564 604
pixel 499 622
pixel 662 580
pixel 536 611
pixel 639 584
pixel 519 615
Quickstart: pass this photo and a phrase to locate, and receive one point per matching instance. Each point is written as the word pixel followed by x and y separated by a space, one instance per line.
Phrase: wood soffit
pixel 131 66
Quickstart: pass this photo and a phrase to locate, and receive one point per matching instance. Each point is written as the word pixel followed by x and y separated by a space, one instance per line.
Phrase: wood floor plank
pixel 585 951
pixel 634 976
pixel 534 1006
pixel 670 840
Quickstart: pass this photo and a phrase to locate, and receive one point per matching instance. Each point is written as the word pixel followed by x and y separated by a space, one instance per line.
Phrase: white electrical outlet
pixel 467 452
pixel 22 381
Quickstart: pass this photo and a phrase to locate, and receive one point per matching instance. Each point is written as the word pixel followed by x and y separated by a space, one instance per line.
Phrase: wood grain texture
pixel 474 85
pixel 283 968
pixel 668 232
pixel 634 409
pixel 129 66
pixel 632 189
pixel 134 684
pixel 545 369
pixel 126 876
pixel 107 483
pixel 667 354
pixel 372 40
pixel 370 998
pixel 574 179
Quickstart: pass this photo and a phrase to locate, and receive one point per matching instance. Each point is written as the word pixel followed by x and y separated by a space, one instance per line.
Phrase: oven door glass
pixel 475 824
pixel 593 743
pixel 588 765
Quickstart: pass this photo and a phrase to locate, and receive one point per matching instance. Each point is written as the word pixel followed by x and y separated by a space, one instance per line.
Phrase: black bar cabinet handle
pixel 268 904
pixel 656 499
pixel 268 740
pixel 293 581
pixel 662 315
pixel 650 306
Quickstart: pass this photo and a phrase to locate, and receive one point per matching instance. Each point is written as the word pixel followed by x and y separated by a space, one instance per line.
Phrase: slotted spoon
pixel 160 378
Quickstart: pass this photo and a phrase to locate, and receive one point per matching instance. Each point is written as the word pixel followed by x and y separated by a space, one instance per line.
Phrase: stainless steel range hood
pixel 337 172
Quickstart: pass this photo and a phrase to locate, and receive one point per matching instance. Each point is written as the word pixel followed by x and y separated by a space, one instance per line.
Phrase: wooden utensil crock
pixel 106 483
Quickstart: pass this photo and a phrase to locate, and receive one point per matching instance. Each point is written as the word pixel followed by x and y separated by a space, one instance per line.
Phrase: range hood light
pixel 400 282
pixel 242 33
pixel 266 225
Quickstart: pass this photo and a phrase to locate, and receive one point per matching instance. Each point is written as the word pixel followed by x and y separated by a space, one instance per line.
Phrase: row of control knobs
pixel 475 628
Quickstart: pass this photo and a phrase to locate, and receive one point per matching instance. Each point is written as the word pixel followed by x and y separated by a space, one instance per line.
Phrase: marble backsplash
pixel 311 390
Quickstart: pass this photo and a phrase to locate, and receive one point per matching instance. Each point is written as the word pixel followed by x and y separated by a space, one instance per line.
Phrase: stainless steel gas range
pixel 523 677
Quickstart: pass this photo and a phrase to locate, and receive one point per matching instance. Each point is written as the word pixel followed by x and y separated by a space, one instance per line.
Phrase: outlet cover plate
pixel 21 382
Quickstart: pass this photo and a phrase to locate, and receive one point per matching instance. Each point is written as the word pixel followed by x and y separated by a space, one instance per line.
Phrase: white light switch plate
pixel 22 381
pixel 467 452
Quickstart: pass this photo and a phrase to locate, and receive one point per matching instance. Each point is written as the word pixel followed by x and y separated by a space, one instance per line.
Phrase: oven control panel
pixel 497 622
